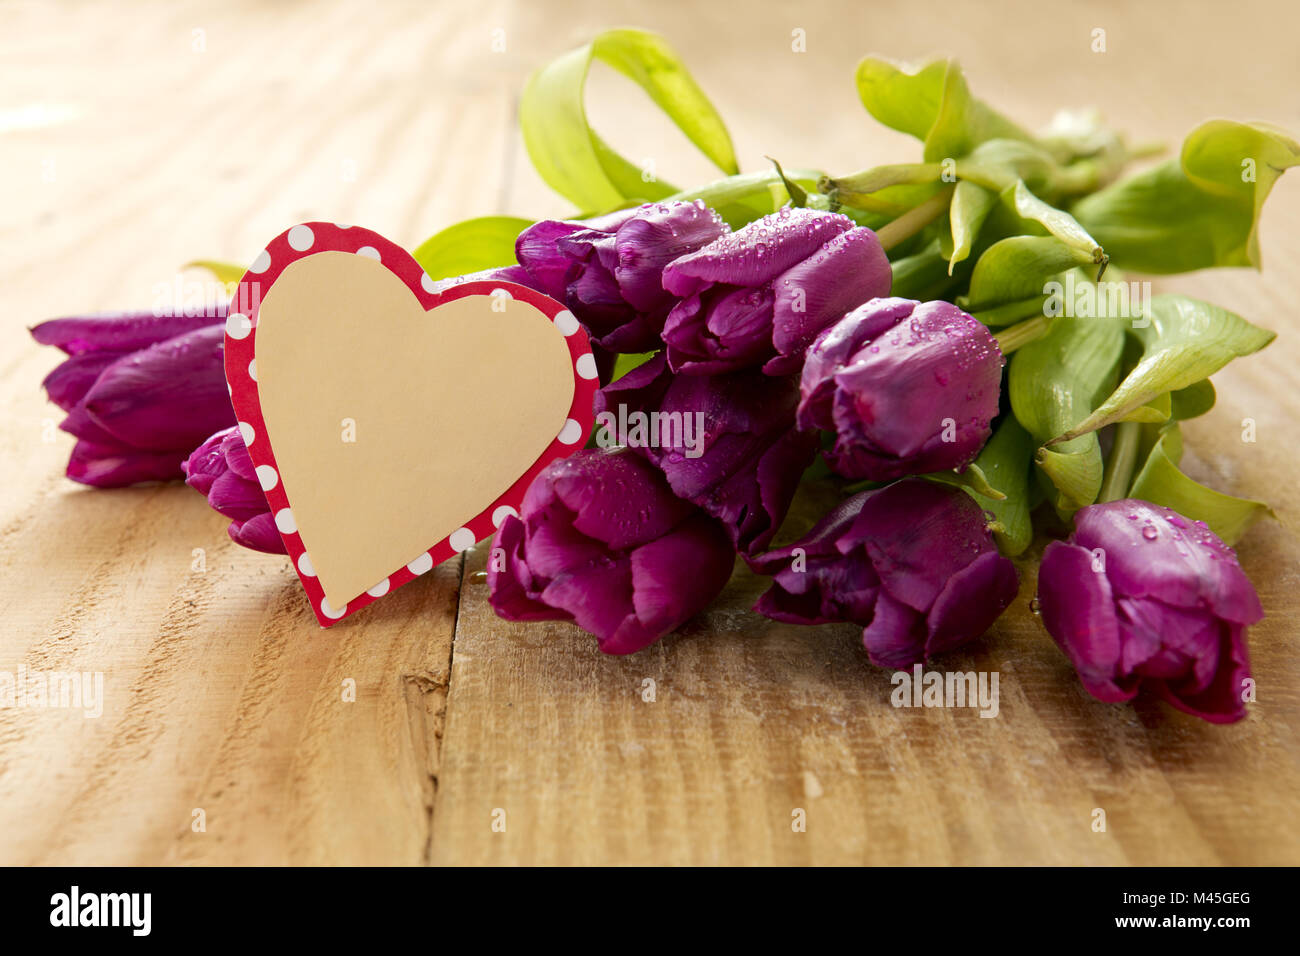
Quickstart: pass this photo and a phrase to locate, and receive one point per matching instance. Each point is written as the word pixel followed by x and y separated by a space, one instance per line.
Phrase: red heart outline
pixel 240 353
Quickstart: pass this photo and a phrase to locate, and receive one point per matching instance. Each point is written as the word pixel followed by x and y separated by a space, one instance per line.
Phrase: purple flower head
pixel 140 391
pixel 609 270
pixel 760 295
pixel 221 469
pixel 913 563
pixel 600 540
pixel 906 387
pixel 726 443
pixel 1141 595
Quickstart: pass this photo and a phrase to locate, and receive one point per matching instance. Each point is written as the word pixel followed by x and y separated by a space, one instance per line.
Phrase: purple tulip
pixel 601 540
pixel 221 469
pixel 726 443
pixel 761 295
pixel 140 391
pixel 1141 595
pixel 913 563
pixel 906 387
pixel 608 271
pixel 516 274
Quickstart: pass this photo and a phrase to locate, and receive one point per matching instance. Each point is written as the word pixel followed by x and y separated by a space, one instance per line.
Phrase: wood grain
pixel 123 159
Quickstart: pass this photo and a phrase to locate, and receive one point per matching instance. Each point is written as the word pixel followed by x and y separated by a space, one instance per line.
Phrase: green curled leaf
pixel 568 153
pixel 1005 463
pixel 1193 401
pixel 1161 482
pixel 1019 268
pixel 1197 211
pixel 1184 341
pixel 487 242
pixel 971 478
pixel 1054 222
pixel 970 207
pixel 1056 381
pixel 934 104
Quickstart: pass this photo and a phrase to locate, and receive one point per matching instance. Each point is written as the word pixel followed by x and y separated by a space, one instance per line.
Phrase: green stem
pixel 1022 333
pixel 914 220
pixel 736 188
pixel 1012 312
pixel 1123 460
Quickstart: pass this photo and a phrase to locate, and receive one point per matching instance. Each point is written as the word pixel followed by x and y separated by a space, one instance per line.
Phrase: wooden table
pixel 137 138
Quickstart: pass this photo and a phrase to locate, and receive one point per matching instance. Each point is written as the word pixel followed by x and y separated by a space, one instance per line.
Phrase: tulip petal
pixel 258 534
pixel 169 395
pixel 72 378
pixel 1222 701
pixel 919 534
pixel 112 466
pixel 1077 608
pixel 850 270
pixel 509 581
pixel 675 576
pixel 236 498
pixel 970 602
pixel 757 253
pixel 1177 562
pixel 120 332
pixel 598 595
pixel 895 638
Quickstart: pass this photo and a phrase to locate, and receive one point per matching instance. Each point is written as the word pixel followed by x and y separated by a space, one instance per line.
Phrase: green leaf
pixel 933 104
pixel 1193 401
pixel 1019 268
pixel 627 361
pixel 1005 460
pixel 573 159
pixel 1185 341
pixel 227 273
pixel 1054 221
pixel 922 276
pixel 1161 482
pixel 858 189
pixel 798 195
pixel 1000 163
pixel 471 246
pixel 1198 211
pixel 1055 382
pixel 970 207
pixel 972 479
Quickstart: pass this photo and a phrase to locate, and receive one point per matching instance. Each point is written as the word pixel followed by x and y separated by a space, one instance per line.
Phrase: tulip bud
pixel 141 391
pixel 760 295
pixel 221 469
pixel 913 563
pixel 609 270
pixel 600 540
pixel 1140 595
pixel 906 387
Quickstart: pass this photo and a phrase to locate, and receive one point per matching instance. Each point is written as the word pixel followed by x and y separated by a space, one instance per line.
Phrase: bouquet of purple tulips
pixel 949 342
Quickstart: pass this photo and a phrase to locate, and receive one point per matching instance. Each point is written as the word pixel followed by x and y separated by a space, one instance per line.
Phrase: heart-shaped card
pixel 394 421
